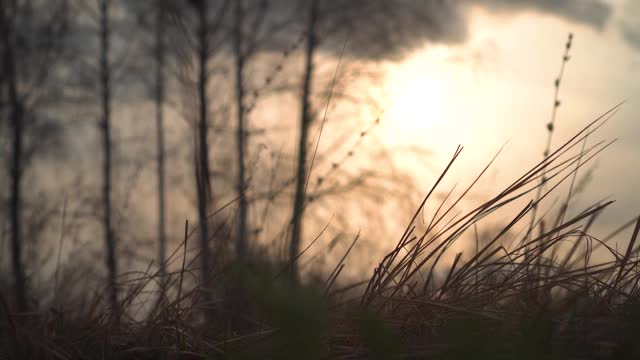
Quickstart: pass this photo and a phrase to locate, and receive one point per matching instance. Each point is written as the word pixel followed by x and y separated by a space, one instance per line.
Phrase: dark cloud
pixel 376 29
pixel 594 13
pixel 631 34
pixel 387 29
pixel 630 24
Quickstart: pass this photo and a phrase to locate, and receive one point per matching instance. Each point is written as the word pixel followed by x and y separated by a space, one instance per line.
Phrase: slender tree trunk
pixel 241 243
pixel 105 81
pixel 17 125
pixel 159 98
pixel 203 173
pixel 305 121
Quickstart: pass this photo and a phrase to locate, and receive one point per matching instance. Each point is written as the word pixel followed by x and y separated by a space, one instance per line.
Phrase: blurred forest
pixel 122 119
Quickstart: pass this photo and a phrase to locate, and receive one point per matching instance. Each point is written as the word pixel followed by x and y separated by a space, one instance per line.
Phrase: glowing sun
pixel 416 96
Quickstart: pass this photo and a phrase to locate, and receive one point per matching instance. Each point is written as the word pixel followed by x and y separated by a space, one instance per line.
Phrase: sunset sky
pixel 479 73
pixel 497 86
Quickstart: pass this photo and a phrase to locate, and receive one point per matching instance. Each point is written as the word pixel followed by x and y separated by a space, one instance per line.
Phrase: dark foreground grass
pixel 538 294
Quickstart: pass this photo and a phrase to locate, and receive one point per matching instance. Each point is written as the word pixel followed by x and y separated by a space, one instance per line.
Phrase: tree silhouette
pixel 159 97
pixel 305 122
pixel 105 127
pixel 241 242
pixel 31 44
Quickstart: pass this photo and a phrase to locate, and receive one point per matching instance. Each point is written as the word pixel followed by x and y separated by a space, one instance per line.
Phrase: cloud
pixel 630 24
pixel 381 29
pixel 594 13
pixel 388 29
pixel 631 34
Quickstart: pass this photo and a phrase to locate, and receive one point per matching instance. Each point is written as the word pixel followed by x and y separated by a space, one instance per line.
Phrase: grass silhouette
pixel 514 297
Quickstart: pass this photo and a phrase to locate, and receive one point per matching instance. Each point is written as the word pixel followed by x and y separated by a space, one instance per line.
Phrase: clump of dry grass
pixel 509 283
pixel 530 296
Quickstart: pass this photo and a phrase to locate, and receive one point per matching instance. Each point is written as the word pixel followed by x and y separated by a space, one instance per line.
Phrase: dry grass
pixel 537 295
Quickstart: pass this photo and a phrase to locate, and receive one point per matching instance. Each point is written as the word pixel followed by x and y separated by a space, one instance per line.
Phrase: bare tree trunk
pixel 105 81
pixel 202 164
pixel 15 203
pixel 159 98
pixel 241 242
pixel 305 121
